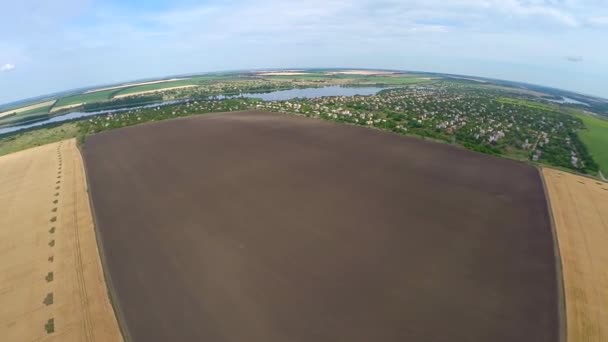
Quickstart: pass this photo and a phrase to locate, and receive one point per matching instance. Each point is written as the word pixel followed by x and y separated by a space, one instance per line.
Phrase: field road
pixel 51 282
pixel 266 227
pixel 580 212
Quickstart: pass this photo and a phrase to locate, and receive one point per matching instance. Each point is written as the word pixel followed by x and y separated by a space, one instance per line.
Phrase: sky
pixel 49 46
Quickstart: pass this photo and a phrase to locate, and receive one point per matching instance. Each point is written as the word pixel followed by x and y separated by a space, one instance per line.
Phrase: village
pixel 478 119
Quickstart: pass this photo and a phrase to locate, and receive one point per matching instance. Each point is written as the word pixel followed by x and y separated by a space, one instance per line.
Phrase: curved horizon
pixel 71 44
pixel 63 92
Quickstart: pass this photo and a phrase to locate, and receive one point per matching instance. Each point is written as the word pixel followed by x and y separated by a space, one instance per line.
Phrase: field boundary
pixel 239 274
pixel 559 271
pixel 118 313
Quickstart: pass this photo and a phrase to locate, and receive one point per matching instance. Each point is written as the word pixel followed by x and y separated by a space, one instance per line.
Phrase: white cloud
pixel 537 9
pixel 104 41
pixel 7 67
pixel 574 59
pixel 598 21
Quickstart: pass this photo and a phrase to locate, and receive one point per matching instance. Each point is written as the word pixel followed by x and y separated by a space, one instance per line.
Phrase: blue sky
pixel 48 46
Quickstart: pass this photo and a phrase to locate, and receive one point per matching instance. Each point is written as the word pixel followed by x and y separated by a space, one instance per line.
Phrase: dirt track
pixel 580 210
pixel 266 227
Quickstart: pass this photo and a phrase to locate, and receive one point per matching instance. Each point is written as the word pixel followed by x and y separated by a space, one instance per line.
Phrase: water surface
pixel 279 95
pixel 308 93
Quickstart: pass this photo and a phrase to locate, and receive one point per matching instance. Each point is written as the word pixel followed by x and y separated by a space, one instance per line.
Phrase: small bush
pixel 48 300
pixel 50 326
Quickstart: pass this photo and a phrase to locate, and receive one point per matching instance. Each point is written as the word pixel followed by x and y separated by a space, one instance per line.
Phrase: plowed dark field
pixel 266 227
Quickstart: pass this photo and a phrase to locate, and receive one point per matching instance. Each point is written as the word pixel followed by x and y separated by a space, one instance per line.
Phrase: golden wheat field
pixel 580 212
pixel 52 286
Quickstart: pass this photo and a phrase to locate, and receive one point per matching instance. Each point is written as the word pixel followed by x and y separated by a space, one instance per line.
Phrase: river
pixel 279 95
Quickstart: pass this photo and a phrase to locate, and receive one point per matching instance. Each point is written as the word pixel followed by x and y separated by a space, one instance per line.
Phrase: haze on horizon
pixel 53 46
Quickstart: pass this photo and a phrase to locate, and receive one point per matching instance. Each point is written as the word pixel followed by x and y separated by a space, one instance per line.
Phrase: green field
pixel 595 137
pixel 392 80
pixel 105 95
pixel 85 98
pixel 26 115
pixel 530 104
pixel 41 110
pixel 312 77
pixel 15 119
pixel 362 79
pixel 37 137
pixel 197 80
pixel 157 86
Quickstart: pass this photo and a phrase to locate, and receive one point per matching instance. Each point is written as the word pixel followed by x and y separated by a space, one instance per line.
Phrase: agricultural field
pixel 364 72
pixel 348 78
pixel 39 109
pixel 284 73
pixel 152 91
pixel 137 89
pixel 126 85
pixel 257 226
pixel 580 212
pixel 485 117
pixel 53 287
pixel 155 87
pixel 309 78
pixel 23 114
pixel 526 103
pixel 478 120
pixel 22 118
pixel 390 80
pixel 67 107
pixel 106 94
pixel 595 137
pixel 38 137
pixel 103 95
pixel 34 108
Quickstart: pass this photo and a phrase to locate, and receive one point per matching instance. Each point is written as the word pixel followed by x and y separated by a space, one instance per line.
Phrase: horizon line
pixel 58 93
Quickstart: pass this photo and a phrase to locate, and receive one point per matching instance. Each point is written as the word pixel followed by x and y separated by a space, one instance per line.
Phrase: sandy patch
pixel 51 283
pixel 56 109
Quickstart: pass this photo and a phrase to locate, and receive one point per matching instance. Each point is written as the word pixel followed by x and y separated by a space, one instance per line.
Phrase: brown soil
pixel 266 227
